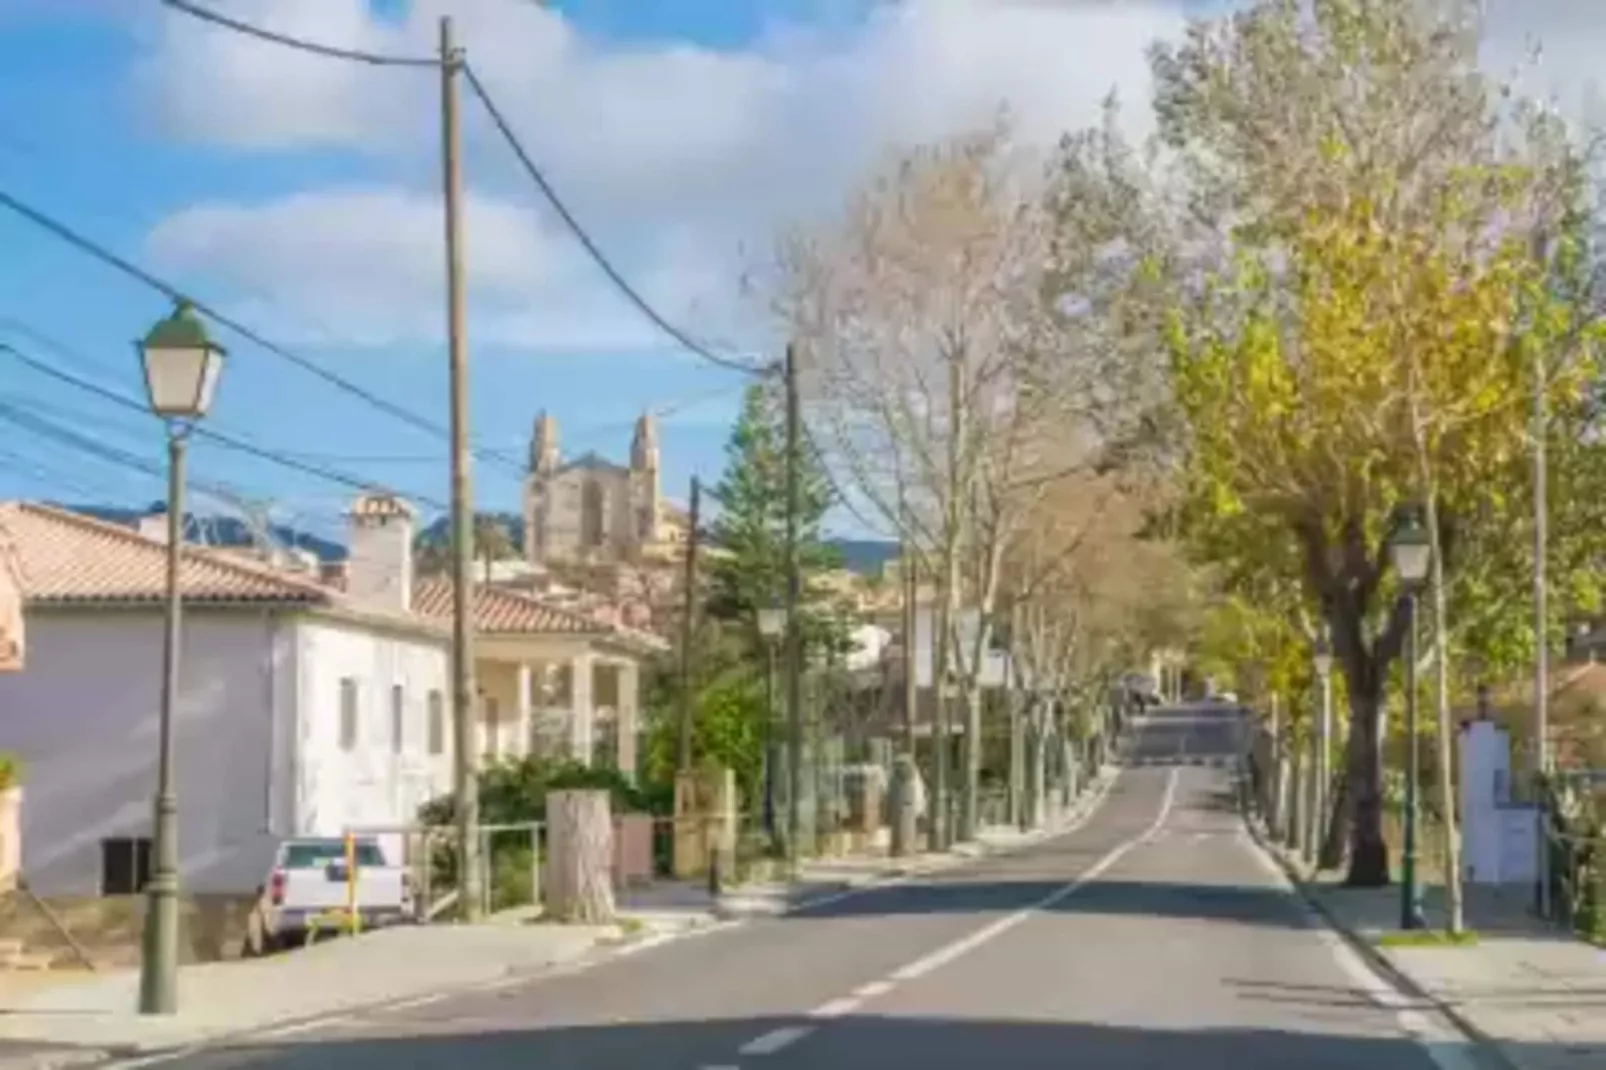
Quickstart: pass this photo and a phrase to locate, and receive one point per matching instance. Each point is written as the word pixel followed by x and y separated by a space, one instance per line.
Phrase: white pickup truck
pixel 308 888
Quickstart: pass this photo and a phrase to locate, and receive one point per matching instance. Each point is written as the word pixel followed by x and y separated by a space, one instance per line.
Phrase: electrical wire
pixel 209 434
pixel 580 233
pixel 173 293
pixel 300 44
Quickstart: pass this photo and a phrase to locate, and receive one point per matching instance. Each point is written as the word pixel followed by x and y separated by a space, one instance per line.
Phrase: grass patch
pixel 1428 938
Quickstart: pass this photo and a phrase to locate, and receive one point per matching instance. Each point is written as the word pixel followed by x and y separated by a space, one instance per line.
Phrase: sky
pixel 301 196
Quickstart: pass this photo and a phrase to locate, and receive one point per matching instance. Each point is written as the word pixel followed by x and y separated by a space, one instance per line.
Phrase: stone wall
pixel 109 927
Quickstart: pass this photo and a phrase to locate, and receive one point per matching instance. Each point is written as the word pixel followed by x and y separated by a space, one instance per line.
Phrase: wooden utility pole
pixel 688 631
pixel 794 630
pixel 462 504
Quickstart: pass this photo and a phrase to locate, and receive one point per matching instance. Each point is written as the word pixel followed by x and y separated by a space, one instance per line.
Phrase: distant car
pixel 309 887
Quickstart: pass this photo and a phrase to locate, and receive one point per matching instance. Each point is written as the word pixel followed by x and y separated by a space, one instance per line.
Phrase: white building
pixel 303 709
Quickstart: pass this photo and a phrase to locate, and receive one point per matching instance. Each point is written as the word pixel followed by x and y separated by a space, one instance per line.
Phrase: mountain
pixel 864 556
pixel 221 531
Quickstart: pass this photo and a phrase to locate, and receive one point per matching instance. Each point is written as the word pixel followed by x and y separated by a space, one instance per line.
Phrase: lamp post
pixel 1322 658
pixel 182 365
pixel 771 625
pixel 1412 555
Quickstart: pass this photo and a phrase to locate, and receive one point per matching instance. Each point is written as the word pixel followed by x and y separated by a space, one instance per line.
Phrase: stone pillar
pixel 524 717
pixel 627 717
pixel 582 715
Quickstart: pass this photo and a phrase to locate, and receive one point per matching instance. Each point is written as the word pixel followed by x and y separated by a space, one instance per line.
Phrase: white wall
pixel 371 786
pixel 83 716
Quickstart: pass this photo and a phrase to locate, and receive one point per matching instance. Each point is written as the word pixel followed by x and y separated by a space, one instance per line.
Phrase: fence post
pixel 535 866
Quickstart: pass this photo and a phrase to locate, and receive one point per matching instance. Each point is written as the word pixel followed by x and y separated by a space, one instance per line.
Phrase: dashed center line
pixel 775 1040
pixel 836 1008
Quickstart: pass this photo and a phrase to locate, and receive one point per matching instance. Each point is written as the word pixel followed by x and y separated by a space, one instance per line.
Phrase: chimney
pixel 379 570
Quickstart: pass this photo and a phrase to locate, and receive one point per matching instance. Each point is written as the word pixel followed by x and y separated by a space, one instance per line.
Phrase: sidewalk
pixel 86 1018
pixel 1533 994
pixel 681 903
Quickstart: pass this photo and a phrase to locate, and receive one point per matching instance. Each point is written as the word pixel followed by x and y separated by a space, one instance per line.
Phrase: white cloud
pixel 676 156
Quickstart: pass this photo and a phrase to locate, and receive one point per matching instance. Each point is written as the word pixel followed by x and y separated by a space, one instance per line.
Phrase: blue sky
pixel 301 195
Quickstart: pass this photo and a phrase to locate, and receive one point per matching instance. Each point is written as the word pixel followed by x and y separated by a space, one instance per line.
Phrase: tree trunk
pixel 580 857
pixel 1369 856
pixel 1455 921
pixel 1336 833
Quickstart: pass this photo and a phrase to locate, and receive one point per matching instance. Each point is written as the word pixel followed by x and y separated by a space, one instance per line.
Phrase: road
pixel 1156 935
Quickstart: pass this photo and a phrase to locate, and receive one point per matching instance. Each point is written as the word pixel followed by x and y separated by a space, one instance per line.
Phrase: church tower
pixel 537 487
pixel 646 506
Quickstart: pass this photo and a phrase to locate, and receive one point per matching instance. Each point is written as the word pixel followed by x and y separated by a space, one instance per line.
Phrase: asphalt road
pixel 1154 936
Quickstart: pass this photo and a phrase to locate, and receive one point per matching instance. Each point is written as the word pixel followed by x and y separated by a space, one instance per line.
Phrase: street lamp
pixel 1322 659
pixel 182 365
pixel 771 626
pixel 1412 554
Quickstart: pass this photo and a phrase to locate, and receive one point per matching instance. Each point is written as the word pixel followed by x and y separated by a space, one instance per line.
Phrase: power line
pixel 99 252
pixel 620 282
pixel 300 44
pixel 207 433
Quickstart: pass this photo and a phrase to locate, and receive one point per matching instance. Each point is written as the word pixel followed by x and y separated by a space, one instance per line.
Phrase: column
pixel 524 745
pixel 581 715
pixel 629 692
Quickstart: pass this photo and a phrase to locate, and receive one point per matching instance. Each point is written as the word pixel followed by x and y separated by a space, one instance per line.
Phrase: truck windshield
pixel 322 852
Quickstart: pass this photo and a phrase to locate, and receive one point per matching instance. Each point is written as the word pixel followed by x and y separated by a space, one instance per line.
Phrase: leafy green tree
pixel 748 570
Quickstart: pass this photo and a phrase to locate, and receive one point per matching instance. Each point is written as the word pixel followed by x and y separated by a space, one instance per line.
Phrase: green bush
pixel 511 879
pixel 10 771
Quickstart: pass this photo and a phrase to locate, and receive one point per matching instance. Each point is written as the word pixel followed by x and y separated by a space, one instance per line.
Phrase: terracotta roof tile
pixel 498 610
pixel 66 557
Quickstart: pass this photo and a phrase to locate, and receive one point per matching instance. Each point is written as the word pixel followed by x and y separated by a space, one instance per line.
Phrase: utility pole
pixel 794 630
pixel 906 771
pixel 470 897
pixel 688 631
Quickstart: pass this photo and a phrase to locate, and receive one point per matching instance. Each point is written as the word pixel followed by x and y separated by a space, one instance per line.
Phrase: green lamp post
pixel 1412 555
pixel 182 365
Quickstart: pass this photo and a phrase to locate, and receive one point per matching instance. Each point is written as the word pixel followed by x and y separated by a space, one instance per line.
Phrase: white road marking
pixel 944 955
pixel 836 1008
pixel 873 989
pixel 775 1040
pixel 1089 808
pixel 420 1001
pixel 305 1027
pixel 1439 1039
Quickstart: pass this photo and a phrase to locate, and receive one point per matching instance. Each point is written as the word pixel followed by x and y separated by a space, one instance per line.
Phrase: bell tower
pixel 537 487
pixel 646 505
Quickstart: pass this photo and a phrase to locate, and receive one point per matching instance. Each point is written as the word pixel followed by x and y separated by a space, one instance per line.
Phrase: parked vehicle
pixel 310 888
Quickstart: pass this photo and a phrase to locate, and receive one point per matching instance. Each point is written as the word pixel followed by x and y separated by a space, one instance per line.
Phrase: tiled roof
pixel 67 557
pixel 498 610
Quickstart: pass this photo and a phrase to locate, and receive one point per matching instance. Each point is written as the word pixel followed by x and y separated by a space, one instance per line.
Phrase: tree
pixel 953 375
pixel 749 572
pixel 1375 240
pixel 493 542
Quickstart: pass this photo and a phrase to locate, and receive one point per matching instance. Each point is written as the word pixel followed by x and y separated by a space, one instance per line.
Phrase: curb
pixel 130 1057
pixel 1372 955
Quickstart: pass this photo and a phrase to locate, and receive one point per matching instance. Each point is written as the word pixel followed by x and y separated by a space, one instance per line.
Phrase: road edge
pixel 1374 957
pixel 124 1057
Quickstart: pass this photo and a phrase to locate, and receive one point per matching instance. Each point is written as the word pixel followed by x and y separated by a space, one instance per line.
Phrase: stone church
pixel 590 510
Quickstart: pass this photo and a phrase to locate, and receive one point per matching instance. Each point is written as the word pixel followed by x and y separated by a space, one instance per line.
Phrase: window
pixel 348 713
pixel 398 717
pixel 437 723
pixel 125 865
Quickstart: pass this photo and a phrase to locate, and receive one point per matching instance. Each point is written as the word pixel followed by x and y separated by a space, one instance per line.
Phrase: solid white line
pixel 836 1008
pixel 305 1027
pixel 775 1040
pixel 873 989
pixel 420 1001
pixel 1438 1039
pixel 944 955
pixel 949 862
